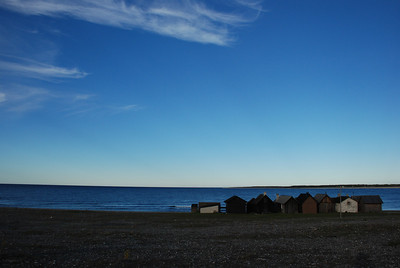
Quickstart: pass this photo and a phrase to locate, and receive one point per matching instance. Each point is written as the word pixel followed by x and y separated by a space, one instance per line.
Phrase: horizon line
pixel 357 185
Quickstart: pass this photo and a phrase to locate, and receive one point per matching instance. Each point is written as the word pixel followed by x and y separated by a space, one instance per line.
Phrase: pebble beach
pixel 65 238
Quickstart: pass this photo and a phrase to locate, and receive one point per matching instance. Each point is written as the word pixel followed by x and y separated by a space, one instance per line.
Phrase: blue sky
pixel 199 93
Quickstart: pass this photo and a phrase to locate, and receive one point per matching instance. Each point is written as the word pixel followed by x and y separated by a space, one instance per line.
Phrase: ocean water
pixel 157 199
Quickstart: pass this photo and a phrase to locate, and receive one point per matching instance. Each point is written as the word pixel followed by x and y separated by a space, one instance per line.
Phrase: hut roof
pixel 262 197
pixel 337 199
pixel 320 197
pixel 235 198
pixel 252 201
pixel 303 197
pixel 368 199
pixel 208 204
pixel 283 199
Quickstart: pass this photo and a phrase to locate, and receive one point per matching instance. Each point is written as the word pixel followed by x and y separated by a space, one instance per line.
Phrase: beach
pixel 66 238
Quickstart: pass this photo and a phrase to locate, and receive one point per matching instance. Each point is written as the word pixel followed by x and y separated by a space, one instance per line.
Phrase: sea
pixel 154 199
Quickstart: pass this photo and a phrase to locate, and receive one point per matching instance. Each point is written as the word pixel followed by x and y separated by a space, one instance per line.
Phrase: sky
pixel 199 93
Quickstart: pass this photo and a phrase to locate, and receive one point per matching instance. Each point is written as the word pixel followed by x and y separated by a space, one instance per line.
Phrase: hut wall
pixel 251 208
pixel 260 208
pixel 349 205
pixel 277 207
pixel 236 207
pixel 194 208
pixel 211 209
pixel 326 208
pixel 370 208
pixel 310 206
pixel 268 207
pixel 291 206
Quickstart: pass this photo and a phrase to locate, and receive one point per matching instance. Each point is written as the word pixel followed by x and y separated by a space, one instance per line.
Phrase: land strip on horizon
pixel 324 186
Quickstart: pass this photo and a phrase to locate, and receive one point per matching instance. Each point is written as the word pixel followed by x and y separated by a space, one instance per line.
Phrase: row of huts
pixel 304 203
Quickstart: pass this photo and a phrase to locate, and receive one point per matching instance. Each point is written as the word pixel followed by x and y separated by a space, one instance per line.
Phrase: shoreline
pixel 159 212
pixel 67 238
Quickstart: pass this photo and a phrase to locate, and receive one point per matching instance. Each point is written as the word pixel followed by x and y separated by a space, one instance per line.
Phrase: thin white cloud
pixel 256 5
pixel 25 107
pixel 81 97
pixel 74 111
pixel 130 107
pixel 187 20
pixel 126 108
pixel 98 109
pixel 20 99
pixel 2 97
pixel 20 92
pixel 33 69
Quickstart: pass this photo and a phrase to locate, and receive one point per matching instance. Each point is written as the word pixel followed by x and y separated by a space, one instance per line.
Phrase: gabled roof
pixel 251 201
pixel 283 199
pixel 337 199
pixel 303 197
pixel 261 197
pixel 320 197
pixel 368 199
pixel 235 198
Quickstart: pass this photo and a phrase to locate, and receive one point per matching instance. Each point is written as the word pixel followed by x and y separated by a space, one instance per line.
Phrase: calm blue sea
pixel 155 199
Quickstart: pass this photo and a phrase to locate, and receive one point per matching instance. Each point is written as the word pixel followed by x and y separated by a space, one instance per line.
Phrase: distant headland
pixel 325 186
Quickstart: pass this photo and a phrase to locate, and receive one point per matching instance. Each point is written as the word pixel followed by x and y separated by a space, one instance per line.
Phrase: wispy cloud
pixel 183 19
pixel 125 108
pixel 34 69
pixel 20 99
pixel 98 109
pixel 2 97
pixel 80 97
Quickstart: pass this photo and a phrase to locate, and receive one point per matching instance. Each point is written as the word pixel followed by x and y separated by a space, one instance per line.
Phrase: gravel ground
pixel 60 238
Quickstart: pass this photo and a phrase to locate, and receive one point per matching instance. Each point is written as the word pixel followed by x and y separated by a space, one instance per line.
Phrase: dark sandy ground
pixel 60 238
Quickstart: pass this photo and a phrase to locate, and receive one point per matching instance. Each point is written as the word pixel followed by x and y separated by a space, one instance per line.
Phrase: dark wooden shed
pixel 235 204
pixel 287 204
pixel 369 203
pixel 194 208
pixel 251 206
pixel 261 204
pixel 307 204
pixel 325 203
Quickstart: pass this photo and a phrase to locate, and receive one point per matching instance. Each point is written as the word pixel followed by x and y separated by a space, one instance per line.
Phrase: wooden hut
pixel 194 208
pixel 261 204
pixel 235 204
pixel 287 204
pixel 369 203
pixel 251 206
pixel 209 207
pixel 325 204
pixel 307 204
pixel 345 204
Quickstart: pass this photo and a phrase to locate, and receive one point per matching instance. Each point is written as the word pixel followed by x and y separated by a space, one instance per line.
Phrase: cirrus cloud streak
pixel 39 70
pixel 186 20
